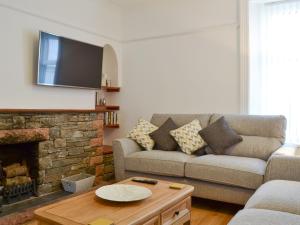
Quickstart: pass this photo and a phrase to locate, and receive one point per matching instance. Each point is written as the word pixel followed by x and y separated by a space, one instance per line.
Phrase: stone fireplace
pixel 54 144
pixel 19 164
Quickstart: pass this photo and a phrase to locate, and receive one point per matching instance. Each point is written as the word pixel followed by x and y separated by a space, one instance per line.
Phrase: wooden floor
pixel 206 212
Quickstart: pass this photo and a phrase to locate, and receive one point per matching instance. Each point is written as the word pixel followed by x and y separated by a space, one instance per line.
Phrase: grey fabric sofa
pixel 274 203
pixel 230 178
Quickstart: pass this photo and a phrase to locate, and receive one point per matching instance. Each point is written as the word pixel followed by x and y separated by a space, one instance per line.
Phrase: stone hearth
pixel 68 143
pixel 18 136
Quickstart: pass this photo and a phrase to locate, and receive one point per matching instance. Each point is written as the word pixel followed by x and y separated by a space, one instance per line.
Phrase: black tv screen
pixel 68 63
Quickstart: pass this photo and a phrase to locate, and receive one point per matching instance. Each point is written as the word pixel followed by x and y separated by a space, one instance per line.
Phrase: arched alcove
pixel 110 71
pixel 110 66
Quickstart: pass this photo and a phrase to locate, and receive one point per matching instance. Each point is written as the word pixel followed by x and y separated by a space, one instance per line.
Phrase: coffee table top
pixel 86 208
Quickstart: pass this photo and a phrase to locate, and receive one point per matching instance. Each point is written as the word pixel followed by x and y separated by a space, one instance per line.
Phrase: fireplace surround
pixel 54 143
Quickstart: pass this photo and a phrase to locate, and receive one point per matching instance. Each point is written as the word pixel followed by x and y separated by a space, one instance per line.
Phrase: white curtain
pixel 275 62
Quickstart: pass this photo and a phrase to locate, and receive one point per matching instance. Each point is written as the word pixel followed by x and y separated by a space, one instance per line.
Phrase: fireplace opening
pixel 18 171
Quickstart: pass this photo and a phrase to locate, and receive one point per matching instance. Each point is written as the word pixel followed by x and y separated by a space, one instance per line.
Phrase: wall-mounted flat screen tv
pixel 68 63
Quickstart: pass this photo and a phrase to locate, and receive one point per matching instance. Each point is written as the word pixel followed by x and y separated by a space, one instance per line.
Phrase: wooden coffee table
pixel 166 206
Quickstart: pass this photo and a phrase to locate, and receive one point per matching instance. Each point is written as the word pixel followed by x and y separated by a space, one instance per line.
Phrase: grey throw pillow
pixel 162 138
pixel 200 151
pixel 208 150
pixel 219 136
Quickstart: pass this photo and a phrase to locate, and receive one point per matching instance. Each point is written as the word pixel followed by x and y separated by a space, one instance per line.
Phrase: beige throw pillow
pixel 140 134
pixel 188 137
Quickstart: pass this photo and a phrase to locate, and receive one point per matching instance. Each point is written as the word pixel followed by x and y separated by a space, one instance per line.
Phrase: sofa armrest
pixel 284 164
pixel 122 148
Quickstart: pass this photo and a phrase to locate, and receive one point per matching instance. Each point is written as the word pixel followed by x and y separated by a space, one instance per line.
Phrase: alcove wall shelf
pixel 113 126
pixel 107 108
pixel 111 89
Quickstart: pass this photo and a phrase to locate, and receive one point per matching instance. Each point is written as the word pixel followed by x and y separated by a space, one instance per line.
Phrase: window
pixel 274 42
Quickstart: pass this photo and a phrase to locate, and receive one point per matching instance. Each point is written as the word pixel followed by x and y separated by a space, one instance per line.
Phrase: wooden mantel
pixel 49 110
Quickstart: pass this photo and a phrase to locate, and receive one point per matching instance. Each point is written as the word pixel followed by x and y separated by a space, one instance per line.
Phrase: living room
pixel 149 112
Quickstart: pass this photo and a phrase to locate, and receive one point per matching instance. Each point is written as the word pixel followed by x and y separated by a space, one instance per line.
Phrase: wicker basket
pixel 77 183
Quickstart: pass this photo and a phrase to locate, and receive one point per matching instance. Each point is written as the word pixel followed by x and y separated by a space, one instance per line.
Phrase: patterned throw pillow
pixel 188 137
pixel 140 134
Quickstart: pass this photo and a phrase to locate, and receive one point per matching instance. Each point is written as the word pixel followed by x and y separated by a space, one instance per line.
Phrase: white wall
pixel 152 18
pixel 179 57
pixel 92 21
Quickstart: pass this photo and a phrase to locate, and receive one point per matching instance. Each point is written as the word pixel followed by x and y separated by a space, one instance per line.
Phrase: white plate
pixel 123 193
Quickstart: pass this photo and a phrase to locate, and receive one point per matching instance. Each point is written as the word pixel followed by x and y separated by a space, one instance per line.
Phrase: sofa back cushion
pixel 181 119
pixel 262 135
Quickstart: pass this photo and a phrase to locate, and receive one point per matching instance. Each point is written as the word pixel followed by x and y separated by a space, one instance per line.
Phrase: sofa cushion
pixel 188 137
pixel 157 162
pixel 140 134
pixel 219 136
pixel 277 195
pixel 162 138
pixel 250 125
pixel 231 170
pixel 254 147
pixel 264 217
pixel 181 119
pixel 262 135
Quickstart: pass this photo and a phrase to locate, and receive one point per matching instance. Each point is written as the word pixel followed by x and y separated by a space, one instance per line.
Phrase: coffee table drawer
pixel 178 214
pixel 153 221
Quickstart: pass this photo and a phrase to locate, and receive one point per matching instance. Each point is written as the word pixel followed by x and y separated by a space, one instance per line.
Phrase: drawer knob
pixel 176 213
